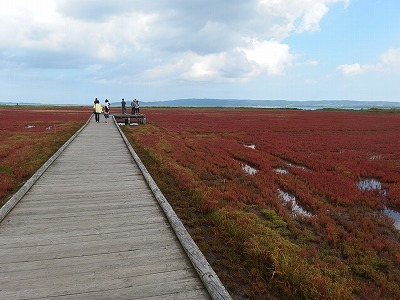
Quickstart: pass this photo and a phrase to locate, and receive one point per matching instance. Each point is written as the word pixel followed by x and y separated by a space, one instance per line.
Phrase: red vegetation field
pixel 29 136
pixel 285 204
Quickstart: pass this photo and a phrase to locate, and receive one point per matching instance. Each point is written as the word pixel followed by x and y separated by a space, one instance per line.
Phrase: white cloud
pixel 388 60
pixel 191 40
pixel 270 56
pixel 204 67
pixel 353 69
pixel 311 18
pixel 391 57
pixel 194 67
pixel 295 15
pixel 240 64
pixel 27 24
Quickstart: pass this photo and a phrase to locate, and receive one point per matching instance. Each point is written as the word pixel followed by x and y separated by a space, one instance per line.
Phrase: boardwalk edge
pixel 208 276
pixel 13 201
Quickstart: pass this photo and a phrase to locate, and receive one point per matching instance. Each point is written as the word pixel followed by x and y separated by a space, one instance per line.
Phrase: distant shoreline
pixel 238 103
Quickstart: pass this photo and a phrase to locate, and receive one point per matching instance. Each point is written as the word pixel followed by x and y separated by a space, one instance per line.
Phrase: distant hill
pixel 335 104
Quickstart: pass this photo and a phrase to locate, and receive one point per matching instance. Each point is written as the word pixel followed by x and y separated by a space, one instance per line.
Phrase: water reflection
pixel 394 215
pixel 298 167
pixel 297 210
pixel 374 157
pixel 248 169
pixel 281 171
pixel 369 184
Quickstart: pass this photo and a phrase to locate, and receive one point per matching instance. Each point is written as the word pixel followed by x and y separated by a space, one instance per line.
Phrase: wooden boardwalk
pixel 90 228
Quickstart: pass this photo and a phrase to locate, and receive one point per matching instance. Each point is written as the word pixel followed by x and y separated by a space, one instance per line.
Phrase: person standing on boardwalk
pixel 123 105
pixel 107 103
pixel 106 110
pixel 97 110
pixel 135 106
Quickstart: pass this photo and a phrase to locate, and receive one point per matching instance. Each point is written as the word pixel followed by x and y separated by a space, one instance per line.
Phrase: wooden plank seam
pixel 208 276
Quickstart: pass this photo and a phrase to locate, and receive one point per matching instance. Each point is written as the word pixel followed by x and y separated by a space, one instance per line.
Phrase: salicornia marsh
pixel 276 199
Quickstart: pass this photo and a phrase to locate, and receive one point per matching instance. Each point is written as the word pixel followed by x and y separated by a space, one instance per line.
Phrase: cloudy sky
pixel 71 51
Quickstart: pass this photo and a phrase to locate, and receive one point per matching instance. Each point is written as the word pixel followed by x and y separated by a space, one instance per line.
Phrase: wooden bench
pixel 128 119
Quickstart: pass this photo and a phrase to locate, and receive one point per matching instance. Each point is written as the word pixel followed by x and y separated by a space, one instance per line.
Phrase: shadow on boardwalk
pixel 90 227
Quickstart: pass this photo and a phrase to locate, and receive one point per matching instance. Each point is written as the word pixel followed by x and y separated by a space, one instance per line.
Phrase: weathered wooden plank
pixel 147 285
pixel 59 212
pixel 126 193
pixel 77 207
pixel 42 240
pixel 81 226
pixel 111 266
pixel 65 265
pixel 85 227
pixel 87 248
pixel 130 293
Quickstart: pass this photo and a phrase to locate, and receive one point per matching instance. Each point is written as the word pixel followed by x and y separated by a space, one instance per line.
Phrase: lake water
pixel 394 215
pixel 297 210
pixel 370 184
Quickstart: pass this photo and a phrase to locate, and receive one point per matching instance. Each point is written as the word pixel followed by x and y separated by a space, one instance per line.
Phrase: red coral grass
pixel 324 155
